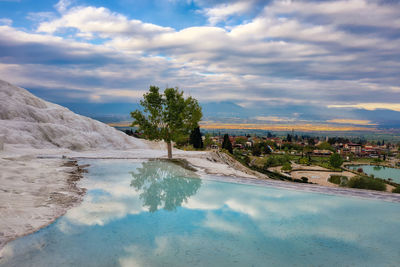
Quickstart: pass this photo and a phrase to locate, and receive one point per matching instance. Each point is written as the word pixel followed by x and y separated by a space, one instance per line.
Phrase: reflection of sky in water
pixel 207 223
pixel 379 171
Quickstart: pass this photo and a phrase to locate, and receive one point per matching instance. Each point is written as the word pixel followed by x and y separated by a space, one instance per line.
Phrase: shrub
pixel 365 182
pixel 304 179
pixel 256 151
pixel 335 160
pixel 335 179
pixel 344 181
pixel 286 167
pixel 304 161
pixel 338 179
pixel 396 190
pixel 377 160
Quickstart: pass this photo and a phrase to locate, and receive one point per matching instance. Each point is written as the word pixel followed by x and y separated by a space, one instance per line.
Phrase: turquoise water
pixel 379 171
pixel 158 214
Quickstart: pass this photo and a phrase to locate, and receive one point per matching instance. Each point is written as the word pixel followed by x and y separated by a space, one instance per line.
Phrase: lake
pixel 379 171
pixel 156 213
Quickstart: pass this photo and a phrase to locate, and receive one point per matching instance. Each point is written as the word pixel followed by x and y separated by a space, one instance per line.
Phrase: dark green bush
pixel 338 179
pixel 396 190
pixel 286 166
pixel 365 182
pixel 343 181
pixel 335 160
pixel 335 179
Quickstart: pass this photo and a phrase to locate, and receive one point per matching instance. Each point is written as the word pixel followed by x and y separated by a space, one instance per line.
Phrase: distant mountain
pixel 224 109
pixel 233 113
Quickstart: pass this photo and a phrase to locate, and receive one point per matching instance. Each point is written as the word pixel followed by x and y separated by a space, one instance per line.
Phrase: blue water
pixel 379 171
pixel 158 214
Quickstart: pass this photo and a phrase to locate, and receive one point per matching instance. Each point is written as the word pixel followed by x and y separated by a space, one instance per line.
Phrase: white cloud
pixel 62 5
pixel 5 21
pixel 101 21
pixel 222 12
pixel 369 106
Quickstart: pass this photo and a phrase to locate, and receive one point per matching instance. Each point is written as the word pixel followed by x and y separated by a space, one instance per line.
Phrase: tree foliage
pixel 336 160
pixel 207 140
pixel 167 116
pixel 226 144
pixel 195 138
pixel 326 146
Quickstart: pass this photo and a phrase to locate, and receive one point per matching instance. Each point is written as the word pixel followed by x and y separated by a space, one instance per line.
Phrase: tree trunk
pixel 169 146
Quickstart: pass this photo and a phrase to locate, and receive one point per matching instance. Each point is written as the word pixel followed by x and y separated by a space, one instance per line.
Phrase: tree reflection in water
pixel 164 185
pixel 377 168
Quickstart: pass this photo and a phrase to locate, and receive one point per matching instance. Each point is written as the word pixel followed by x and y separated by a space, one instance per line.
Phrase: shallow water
pixel 159 214
pixel 379 171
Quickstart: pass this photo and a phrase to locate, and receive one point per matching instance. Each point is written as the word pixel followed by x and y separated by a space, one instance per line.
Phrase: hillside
pixel 32 122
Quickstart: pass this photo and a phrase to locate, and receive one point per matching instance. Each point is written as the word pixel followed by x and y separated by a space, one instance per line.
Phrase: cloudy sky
pixel 268 61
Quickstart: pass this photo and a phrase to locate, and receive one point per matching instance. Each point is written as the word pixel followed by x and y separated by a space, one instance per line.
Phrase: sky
pixel 263 62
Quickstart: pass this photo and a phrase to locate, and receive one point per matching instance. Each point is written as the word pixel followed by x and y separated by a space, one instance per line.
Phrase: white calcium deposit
pixel 30 121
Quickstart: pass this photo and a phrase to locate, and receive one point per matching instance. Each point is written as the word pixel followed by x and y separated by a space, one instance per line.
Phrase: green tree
pixel 226 144
pixel 167 116
pixel 195 138
pixel 241 140
pixel 207 140
pixel 325 145
pixel 286 166
pixel 336 160
pixel 256 150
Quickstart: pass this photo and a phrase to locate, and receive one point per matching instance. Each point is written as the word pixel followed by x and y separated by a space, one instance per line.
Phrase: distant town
pixel 296 144
pixel 325 160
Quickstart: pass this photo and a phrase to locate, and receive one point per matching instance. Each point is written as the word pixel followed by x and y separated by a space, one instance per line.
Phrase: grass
pixel 363 160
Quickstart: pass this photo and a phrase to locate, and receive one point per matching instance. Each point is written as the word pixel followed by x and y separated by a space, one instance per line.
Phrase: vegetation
pixel 336 160
pixel 304 161
pixel 207 140
pixel 377 160
pixel 286 166
pixel 256 150
pixel 304 179
pixel 338 179
pixel 226 144
pixel 365 182
pixel 325 146
pixel 167 116
pixel 274 161
pixel 195 138
pixel 241 140
pixel 396 190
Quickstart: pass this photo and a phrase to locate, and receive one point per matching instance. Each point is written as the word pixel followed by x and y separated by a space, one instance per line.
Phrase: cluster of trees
pixel 264 147
pixel 278 160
